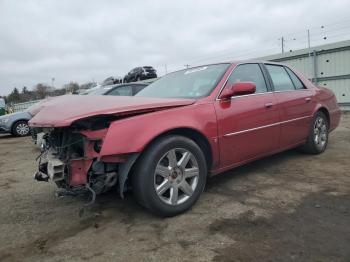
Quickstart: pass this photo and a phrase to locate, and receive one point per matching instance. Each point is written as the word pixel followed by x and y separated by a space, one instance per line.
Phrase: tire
pixel 317 140
pixel 20 128
pixel 173 175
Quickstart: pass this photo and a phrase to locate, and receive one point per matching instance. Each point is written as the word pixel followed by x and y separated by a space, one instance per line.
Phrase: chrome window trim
pixel 257 94
pixel 266 126
pixel 268 92
pixel 291 90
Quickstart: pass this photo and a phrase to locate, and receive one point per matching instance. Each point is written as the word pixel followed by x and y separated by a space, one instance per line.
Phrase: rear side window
pixel 249 73
pixel 280 78
pixel 296 81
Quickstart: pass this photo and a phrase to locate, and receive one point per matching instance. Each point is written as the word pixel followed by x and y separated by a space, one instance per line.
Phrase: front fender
pixel 132 135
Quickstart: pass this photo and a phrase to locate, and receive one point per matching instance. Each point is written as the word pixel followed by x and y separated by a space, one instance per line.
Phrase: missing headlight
pixel 98 146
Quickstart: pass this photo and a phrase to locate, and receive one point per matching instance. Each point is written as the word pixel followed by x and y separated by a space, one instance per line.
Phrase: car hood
pixel 63 111
pixel 34 109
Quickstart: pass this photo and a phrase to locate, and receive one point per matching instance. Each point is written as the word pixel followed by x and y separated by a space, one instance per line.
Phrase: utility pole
pixel 166 69
pixel 308 42
pixel 282 44
pixel 187 65
pixel 52 82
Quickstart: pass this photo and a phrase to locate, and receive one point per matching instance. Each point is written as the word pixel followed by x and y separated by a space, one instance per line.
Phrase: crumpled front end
pixel 71 158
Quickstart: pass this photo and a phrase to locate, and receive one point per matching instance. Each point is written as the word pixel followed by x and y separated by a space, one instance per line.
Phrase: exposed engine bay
pixel 70 157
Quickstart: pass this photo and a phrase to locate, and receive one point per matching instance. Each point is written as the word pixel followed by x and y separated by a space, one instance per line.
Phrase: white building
pixel 327 65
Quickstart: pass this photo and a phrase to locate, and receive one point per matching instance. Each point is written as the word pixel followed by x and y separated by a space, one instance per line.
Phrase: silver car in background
pixel 15 123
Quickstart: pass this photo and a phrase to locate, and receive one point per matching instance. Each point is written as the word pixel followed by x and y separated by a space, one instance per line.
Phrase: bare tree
pixel 71 87
pixel 42 90
pixel 88 85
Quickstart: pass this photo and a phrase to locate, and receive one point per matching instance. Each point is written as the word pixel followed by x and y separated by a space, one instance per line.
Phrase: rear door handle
pixel 268 105
pixel 308 99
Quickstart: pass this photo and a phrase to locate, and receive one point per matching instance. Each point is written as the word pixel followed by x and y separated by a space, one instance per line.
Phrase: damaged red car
pixel 164 142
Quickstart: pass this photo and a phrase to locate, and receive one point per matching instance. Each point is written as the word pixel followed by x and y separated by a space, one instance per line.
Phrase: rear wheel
pixel 318 136
pixel 170 176
pixel 21 128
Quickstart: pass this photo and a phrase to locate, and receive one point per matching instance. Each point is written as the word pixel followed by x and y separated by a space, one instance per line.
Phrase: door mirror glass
pixel 238 88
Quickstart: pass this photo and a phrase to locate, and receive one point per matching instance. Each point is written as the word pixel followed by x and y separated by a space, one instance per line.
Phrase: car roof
pixel 254 61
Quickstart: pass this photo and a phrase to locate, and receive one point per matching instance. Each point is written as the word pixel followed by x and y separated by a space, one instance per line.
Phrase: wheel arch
pixel 325 111
pixel 18 120
pixel 192 134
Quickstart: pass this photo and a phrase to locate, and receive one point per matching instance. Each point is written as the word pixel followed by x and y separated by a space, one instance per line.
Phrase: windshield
pixel 189 83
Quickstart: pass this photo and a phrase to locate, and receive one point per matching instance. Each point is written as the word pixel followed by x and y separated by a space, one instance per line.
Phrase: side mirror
pixel 238 88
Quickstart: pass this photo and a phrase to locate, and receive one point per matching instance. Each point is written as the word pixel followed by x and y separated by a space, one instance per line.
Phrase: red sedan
pixel 166 140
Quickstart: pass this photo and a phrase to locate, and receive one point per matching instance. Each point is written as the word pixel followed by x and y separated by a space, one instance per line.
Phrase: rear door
pixel 295 104
pixel 247 124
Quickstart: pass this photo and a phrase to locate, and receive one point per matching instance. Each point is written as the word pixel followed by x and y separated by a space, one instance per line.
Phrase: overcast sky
pixel 79 40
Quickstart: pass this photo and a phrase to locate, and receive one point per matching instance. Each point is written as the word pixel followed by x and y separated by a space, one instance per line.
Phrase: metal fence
pixel 23 106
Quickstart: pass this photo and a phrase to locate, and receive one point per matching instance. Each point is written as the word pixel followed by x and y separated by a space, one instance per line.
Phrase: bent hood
pixel 63 111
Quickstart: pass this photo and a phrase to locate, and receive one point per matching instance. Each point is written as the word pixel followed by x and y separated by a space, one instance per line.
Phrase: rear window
pixel 148 68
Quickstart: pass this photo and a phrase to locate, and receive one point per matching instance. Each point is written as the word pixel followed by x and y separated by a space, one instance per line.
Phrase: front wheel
pixel 21 128
pixel 170 176
pixel 318 135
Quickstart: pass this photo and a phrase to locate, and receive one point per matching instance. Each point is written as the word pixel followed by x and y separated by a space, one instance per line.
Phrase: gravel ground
pixel 288 207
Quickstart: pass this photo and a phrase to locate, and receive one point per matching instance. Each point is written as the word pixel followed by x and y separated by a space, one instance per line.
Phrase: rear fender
pixel 328 102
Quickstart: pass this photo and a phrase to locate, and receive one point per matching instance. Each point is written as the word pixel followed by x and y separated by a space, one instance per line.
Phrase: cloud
pixel 84 40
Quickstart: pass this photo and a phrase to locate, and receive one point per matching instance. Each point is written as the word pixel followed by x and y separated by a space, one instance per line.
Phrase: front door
pixel 248 124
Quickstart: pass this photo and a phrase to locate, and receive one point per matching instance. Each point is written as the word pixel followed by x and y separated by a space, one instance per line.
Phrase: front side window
pixel 296 81
pixel 189 83
pixel 249 73
pixel 280 78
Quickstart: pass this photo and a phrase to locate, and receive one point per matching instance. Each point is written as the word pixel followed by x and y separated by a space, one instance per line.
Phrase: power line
pixel 307 38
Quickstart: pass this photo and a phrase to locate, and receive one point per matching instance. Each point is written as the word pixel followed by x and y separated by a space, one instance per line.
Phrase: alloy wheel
pixel 176 176
pixel 22 129
pixel 320 132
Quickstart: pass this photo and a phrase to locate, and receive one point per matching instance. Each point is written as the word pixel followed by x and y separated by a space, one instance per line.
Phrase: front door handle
pixel 268 105
pixel 308 99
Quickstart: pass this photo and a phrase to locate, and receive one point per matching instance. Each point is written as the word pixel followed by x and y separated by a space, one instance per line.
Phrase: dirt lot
pixel 288 207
